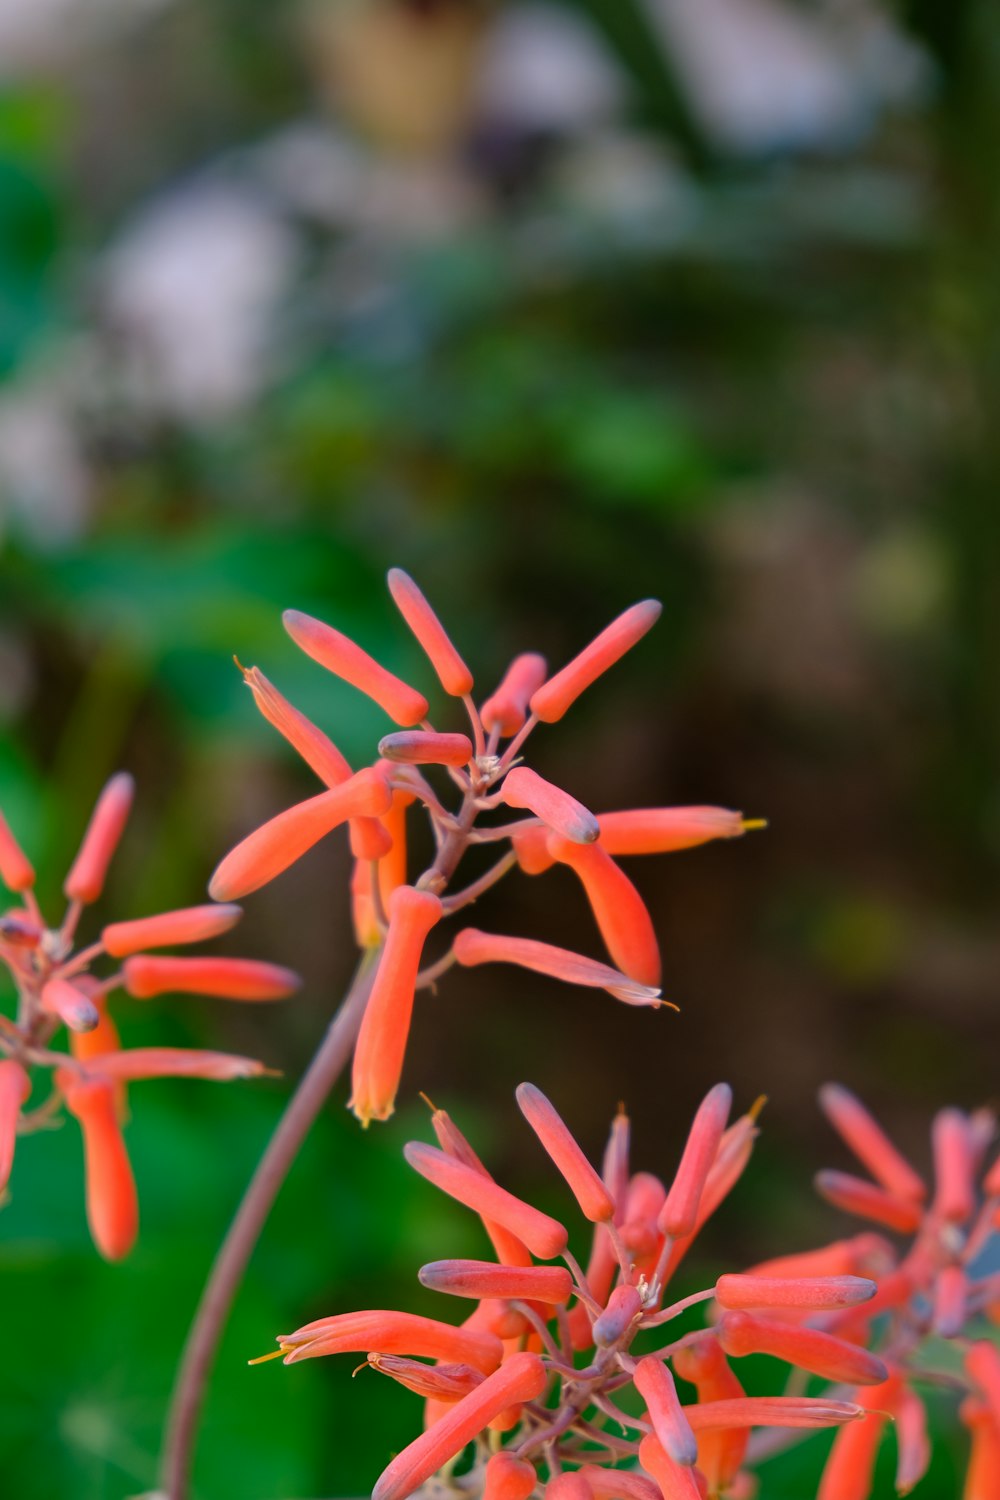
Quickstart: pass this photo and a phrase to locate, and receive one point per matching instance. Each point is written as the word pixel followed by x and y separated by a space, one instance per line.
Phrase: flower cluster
pixel 945 1285
pixel 394 911
pixel 535 1375
pixel 56 988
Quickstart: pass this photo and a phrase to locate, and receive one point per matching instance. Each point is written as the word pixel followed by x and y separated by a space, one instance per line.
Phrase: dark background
pixel 557 307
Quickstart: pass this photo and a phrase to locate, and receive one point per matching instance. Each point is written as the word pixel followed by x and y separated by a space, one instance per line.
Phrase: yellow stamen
pixel 749 824
pixel 262 1359
pixel 757 1106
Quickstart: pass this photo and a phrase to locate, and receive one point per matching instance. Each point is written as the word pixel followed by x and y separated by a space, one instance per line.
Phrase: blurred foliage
pixel 550 369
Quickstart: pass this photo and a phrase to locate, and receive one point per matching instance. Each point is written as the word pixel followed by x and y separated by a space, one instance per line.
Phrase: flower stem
pixel 244 1231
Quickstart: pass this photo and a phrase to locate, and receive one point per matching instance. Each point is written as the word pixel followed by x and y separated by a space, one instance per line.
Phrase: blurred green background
pixel 557 306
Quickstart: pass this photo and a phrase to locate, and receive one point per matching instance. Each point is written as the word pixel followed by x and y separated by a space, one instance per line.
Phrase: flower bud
pixel 16 870
pixel 524 788
pixel 112 1204
pixel 553 698
pixel 193 924
pixel 655 1385
pixel 584 1183
pixel 619 910
pixel 270 849
pixel 862 1133
pixel 679 1214
pixel 506 710
pixel 418 747
pixel 521 1378
pixel 544 1236
pixel 85 880
pixel 225 978
pixel 452 672
pixel 349 662
pixel 485 1279
pixel 385 1026
pixel 15 1086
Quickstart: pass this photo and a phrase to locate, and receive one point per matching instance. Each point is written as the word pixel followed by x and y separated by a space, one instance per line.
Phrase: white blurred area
pixel 185 311
pixel 38 35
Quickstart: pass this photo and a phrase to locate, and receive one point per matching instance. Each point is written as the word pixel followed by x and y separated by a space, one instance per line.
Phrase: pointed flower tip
pixel 16 870
pixel 453 674
pixel 555 696
pixel 346 660
pixel 85 880
pixel 524 788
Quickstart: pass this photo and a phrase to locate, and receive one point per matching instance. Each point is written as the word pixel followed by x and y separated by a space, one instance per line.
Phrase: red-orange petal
pixel 506 710
pixel 665 830
pixel 655 1385
pixel 419 747
pixel 583 1181
pixel 862 1133
pixel 225 978
pixel 954 1167
pixel 70 1004
pixel 508 1478
pixel 472 947
pixel 679 1214
pixel 811 1293
pixel 676 1481
pixel 619 910
pixel 810 1349
pixel 441 1382
pixel 270 849
pixel 112 1203
pixel 856 1196
pixel 553 698
pixel 191 924
pixel 15 1086
pixel 174 1062
pixel 544 1236
pixel 524 788
pixel 385 1026
pixel 85 880
pixel 521 1378
pixel 392 1332
pixel 438 647
pixel 316 748
pixel 487 1279
pixel 339 655
pixel 16 870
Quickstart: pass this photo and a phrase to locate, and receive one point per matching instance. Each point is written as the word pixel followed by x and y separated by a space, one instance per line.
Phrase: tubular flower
pixel 60 997
pixel 484 760
pixel 939 1284
pixel 507 1381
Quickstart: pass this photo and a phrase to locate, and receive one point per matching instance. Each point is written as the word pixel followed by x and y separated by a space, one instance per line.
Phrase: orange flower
pixel 112 1204
pixel 472 947
pixel 506 710
pixel 452 672
pixel 344 659
pixel 521 1378
pixel 270 849
pixel 679 1213
pixel 15 1086
pixel 227 978
pixel 381 1045
pixel 587 1188
pixel 85 880
pixel 57 987
pixel 553 698
pixel 624 922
